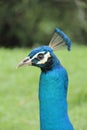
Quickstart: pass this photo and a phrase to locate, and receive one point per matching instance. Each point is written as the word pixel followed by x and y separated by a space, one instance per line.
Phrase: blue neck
pixel 55 62
pixel 52 97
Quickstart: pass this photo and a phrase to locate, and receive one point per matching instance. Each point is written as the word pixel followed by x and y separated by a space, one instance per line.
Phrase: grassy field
pixel 19 89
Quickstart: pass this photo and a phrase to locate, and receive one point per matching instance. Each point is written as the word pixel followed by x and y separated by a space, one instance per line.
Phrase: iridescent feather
pixel 59 40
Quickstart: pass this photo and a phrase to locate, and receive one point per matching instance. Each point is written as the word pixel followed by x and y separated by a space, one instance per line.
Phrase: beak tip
pixel 23 62
pixel 17 66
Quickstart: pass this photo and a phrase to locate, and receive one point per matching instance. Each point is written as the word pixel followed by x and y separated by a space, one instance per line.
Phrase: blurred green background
pixel 25 24
pixel 29 22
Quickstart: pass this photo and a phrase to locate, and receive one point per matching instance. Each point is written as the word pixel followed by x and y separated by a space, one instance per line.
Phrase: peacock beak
pixel 25 61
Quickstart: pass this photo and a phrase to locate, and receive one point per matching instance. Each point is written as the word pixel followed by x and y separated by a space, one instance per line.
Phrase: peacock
pixel 53 83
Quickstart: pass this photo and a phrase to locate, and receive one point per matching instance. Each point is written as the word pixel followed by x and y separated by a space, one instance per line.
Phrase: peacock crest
pixel 59 40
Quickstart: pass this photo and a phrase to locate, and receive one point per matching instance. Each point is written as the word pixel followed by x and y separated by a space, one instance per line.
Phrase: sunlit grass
pixel 19 109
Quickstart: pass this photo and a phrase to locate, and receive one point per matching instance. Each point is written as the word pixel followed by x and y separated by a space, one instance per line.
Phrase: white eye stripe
pixel 44 60
pixel 35 56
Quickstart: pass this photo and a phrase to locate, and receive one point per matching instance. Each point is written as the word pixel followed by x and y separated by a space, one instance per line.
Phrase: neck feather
pixel 52 63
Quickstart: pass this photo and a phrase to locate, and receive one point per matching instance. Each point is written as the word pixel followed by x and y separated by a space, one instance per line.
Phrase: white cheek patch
pixel 44 60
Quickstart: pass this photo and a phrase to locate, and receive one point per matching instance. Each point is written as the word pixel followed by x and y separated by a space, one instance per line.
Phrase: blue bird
pixel 53 84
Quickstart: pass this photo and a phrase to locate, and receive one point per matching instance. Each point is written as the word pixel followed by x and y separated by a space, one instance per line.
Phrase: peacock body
pixel 53 84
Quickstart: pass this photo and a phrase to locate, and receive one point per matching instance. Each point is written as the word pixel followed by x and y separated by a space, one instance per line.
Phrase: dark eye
pixel 40 56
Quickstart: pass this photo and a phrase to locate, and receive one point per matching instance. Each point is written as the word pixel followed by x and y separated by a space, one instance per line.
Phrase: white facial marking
pixel 35 56
pixel 44 60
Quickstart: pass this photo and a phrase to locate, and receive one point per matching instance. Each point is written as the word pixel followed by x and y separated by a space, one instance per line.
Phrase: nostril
pixel 25 60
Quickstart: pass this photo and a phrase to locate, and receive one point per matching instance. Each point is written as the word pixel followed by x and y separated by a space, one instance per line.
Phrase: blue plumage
pixel 53 84
pixel 53 98
pixel 65 38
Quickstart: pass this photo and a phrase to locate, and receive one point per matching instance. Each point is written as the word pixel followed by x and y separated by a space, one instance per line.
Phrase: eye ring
pixel 40 56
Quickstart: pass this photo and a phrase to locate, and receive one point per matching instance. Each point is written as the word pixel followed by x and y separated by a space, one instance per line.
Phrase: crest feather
pixel 59 40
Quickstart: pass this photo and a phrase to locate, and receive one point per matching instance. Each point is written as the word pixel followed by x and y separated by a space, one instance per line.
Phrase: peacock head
pixel 43 56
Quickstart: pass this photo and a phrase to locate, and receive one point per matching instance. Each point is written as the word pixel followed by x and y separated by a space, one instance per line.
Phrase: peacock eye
pixel 40 56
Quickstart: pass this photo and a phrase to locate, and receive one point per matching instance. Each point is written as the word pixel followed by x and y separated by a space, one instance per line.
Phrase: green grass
pixel 19 108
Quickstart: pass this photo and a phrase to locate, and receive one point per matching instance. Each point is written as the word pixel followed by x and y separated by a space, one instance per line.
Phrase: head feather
pixel 59 40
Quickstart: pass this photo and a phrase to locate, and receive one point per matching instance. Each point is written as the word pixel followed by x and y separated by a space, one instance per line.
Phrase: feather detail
pixel 59 40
